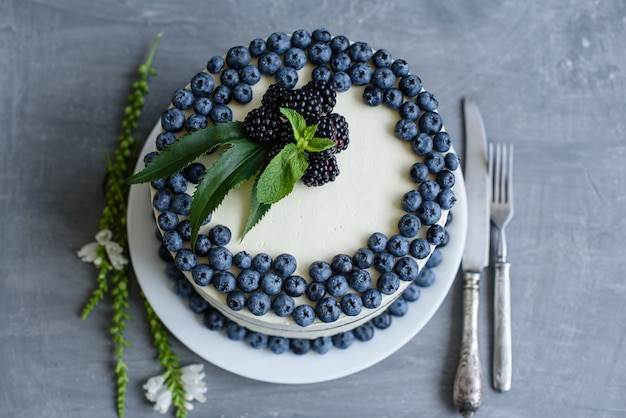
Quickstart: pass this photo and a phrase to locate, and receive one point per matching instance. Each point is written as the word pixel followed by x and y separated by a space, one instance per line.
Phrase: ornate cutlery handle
pixel 467 391
pixel 502 363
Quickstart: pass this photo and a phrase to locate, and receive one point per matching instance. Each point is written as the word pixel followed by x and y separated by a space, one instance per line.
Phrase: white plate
pixel 263 365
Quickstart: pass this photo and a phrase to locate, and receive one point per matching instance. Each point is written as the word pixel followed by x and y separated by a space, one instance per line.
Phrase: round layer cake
pixel 323 260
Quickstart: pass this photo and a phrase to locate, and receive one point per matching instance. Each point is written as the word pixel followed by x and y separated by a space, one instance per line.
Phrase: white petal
pixel 104 236
pixel 164 400
pixel 192 368
pixel 152 387
pixel 88 253
pixel 118 261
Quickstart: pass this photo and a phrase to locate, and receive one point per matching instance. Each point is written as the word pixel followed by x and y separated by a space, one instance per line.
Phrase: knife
pixel 467 391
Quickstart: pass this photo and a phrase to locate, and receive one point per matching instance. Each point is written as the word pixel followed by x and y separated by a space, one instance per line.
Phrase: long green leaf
pixel 239 162
pixel 257 211
pixel 186 150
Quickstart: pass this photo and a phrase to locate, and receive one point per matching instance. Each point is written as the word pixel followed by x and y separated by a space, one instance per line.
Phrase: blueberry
pixel 446 239
pixel 383 78
pixel 445 179
pixel 427 101
pixel 321 345
pixel 452 161
pixel 167 220
pixel 388 283
pixel 340 61
pixel 393 98
pixel 435 162
pixel 238 57
pixel 409 225
pixel 286 77
pixel 203 105
pixel 430 123
pixel 411 293
pixel 320 271
pixel 343 340
pixel 321 35
pixel 363 258
pixel 194 172
pixel 400 67
pixel 259 303
pixel 173 120
pixel 435 258
pixel 322 73
pixel 220 258
pixel 407 269
pixel 410 85
pixel 420 248
pixel 202 84
pixel 411 200
pixel 172 272
pixel 278 42
pixel 429 190
pixel 172 240
pixel 301 39
pixel 230 77
pixel 398 245
pixel 257 47
pixel 360 280
pixel 181 204
pixel 382 58
pixel 304 315
pixel 315 291
pixel 197 304
pixel 341 264
pixel 426 278
pixel 242 260
pixel 161 200
pixel 300 346
pixel 242 93
pixel 340 43
pixel 377 242
pixel 384 262
pixel 409 110
pixel 256 340
pixel 405 129
pixel 213 319
pixel 235 332
pixel 278 345
pixel 360 74
pixel 382 321
pixel 351 304
pixel 248 280
pixel 360 52
pixel 422 144
pixel 450 218
pixel 442 141
pixel 203 245
pixel 184 229
pixel 262 262
pixel 183 288
pixel 341 81
pixel 446 199
pixel 224 281
pixel 283 305
pixel 294 58
pixel 419 172
pixel 250 75
pixel 220 235
pixel 398 307
pixel 429 212
pixel 236 300
pixel 371 298
pixel 215 64
pixel 177 183
pixel 183 99
pixel 185 260
pixel 222 95
pixel 158 184
pixel 337 285
pixel 319 54
pixel 285 265
pixel 271 283
pixel 269 63
pixel 202 274
pixel 436 235
pixel 294 286
pixel 220 114
pixel 327 310
pixel 364 332
pixel 373 96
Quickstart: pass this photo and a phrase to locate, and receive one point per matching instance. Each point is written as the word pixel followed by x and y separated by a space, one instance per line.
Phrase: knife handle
pixel 467 391
pixel 502 361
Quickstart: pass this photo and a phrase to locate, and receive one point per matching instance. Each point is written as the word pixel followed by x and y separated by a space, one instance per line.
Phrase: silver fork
pixel 501 175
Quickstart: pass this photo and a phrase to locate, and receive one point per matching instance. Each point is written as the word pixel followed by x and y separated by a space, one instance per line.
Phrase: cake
pixel 328 259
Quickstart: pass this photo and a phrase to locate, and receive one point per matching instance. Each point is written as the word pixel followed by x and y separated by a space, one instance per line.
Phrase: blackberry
pixel 343 134
pixel 273 96
pixel 328 96
pixel 326 129
pixel 305 102
pixel 262 124
pixel 320 170
pixel 274 150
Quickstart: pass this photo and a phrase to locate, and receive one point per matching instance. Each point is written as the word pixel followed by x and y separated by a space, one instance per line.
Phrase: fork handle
pixel 502 364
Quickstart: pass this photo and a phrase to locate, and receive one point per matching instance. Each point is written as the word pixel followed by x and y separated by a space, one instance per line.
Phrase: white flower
pixel 157 392
pixel 195 388
pixel 89 252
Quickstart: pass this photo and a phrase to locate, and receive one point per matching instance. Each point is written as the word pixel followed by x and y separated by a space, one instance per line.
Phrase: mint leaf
pixel 187 149
pixel 281 174
pixel 257 211
pixel 240 161
pixel 319 144
pixel 296 120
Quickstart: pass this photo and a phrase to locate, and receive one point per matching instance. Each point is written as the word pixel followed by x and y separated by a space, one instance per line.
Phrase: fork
pixel 501 207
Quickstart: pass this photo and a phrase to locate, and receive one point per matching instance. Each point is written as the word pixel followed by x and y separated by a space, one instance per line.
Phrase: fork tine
pixel 491 176
pixel 509 180
pixel 502 177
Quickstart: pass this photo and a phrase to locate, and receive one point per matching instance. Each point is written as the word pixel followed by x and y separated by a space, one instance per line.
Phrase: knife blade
pixel 467 391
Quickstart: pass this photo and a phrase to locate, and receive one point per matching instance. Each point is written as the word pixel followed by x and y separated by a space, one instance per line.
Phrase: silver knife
pixel 467 391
